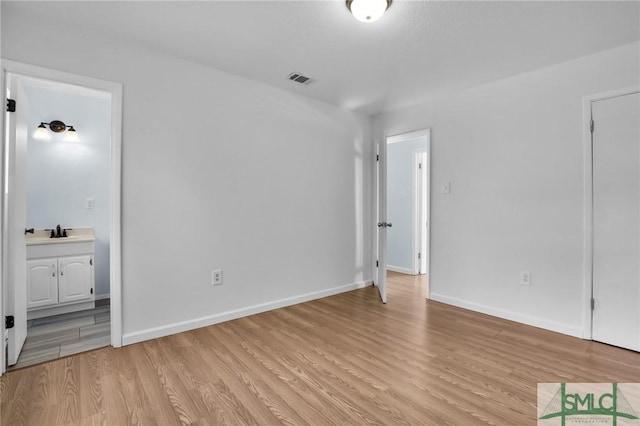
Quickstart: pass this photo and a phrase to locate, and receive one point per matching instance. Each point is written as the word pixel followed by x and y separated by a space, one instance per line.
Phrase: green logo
pixel 590 402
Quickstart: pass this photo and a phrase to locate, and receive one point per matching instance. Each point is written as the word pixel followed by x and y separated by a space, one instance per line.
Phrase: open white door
pixel 616 221
pixel 15 216
pixel 381 195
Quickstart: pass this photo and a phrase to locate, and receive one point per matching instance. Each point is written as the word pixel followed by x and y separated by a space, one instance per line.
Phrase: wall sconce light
pixel 56 126
pixel 368 10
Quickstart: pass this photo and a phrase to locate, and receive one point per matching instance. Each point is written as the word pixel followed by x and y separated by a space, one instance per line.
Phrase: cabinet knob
pixel 53 269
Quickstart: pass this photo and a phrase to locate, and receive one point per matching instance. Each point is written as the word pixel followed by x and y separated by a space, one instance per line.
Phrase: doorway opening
pixel 61 216
pixel 402 180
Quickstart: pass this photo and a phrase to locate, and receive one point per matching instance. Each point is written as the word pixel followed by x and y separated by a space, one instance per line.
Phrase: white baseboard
pixel 103 296
pixel 399 269
pixel 509 315
pixel 179 327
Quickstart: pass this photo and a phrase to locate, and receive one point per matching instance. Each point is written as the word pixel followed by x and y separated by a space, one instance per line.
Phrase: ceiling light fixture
pixel 56 126
pixel 368 10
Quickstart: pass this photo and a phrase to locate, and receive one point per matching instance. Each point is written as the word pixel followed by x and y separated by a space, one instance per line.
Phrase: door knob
pixel 389 225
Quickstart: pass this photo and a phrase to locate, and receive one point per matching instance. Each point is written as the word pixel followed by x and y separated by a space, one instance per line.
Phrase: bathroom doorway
pixel 61 236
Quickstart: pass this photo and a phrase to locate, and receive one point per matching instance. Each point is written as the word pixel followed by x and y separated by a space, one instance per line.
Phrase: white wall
pixel 219 172
pixel 400 193
pixel 513 152
pixel 62 175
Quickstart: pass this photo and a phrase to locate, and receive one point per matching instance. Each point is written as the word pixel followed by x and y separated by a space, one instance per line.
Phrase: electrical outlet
pixel 525 278
pixel 88 203
pixel 216 277
pixel 446 188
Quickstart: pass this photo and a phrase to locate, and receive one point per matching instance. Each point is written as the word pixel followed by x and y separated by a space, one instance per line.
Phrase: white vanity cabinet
pixel 53 281
pixel 60 276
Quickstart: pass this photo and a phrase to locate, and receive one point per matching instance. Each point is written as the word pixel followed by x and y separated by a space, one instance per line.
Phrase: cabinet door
pixel 75 281
pixel 42 283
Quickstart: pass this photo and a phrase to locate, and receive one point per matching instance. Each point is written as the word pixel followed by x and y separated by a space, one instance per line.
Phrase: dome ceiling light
pixel 368 10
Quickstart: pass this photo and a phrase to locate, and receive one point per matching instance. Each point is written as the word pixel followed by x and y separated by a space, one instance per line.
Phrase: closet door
pixel 616 221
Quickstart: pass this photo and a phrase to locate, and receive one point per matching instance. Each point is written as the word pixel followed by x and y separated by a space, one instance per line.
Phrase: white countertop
pixel 75 235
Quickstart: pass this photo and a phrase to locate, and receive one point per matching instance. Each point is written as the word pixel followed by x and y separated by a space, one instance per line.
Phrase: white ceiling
pixel 418 49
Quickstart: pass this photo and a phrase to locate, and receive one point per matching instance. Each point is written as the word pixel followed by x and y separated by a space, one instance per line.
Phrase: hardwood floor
pixel 345 359
pixel 66 334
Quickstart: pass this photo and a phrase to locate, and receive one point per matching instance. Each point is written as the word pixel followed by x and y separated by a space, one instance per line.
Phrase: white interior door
pixel 381 210
pixel 420 213
pixel 15 217
pixel 616 221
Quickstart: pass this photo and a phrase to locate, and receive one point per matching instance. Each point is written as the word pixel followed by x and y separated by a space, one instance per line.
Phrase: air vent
pixel 299 78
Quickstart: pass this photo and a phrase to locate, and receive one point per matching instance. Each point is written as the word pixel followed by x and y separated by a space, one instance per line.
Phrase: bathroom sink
pixel 79 235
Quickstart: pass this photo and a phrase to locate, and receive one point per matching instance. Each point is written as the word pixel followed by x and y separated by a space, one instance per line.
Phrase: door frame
pixel 381 151
pixel 587 138
pixel 19 69
pixel 419 207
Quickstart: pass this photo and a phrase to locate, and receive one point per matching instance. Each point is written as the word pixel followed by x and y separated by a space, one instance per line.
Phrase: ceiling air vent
pixel 299 78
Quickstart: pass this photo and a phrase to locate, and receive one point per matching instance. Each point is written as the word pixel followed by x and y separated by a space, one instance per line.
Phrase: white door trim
pixel 415 212
pixel 115 90
pixel 409 135
pixel 420 211
pixel 587 102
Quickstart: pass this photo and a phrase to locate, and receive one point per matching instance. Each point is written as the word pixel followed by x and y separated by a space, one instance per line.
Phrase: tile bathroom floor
pixel 61 335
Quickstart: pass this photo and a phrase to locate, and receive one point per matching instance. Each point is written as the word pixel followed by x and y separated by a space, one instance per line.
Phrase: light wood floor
pixel 345 359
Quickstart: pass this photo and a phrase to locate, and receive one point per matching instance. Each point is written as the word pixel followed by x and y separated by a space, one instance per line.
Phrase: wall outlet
pixel 446 188
pixel 525 278
pixel 216 277
pixel 88 204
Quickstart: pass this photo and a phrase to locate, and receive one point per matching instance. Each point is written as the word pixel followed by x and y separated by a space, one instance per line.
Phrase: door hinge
pixel 591 125
pixel 593 303
pixel 91 262
pixel 419 165
pixel 9 322
pixel 11 105
pixel 91 291
pixel 419 255
pixel 377 264
pixel 377 157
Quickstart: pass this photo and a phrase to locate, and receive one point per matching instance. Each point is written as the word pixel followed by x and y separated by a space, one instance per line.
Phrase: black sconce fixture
pixel 56 126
